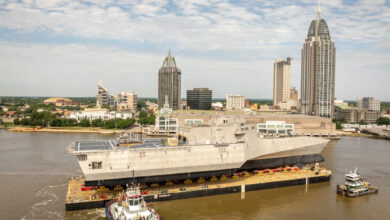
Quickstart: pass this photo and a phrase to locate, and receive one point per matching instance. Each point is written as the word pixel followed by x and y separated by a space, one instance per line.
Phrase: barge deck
pixel 97 197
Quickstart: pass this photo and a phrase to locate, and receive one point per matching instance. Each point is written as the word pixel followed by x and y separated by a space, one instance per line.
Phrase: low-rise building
pixel 152 107
pixel 234 102
pixel 59 101
pixel 254 107
pixel 355 115
pixel 127 101
pixel 293 93
pixel 199 98
pixel 99 113
pixel 217 105
pixel 369 103
pixel 340 103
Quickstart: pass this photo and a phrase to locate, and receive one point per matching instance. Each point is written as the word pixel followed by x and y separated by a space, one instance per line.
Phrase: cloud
pixel 226 37
pixel 71 70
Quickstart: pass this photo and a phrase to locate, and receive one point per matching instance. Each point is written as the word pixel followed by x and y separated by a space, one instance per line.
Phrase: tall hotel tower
pixel 169 83
pixel 318 70
pixel 282 73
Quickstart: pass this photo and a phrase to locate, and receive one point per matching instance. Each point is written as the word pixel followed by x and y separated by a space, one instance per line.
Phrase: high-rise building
pixel 103 97
pixel 318 70
pixel 234 102
pixel 169 83
pixel 127 101
pixel 199 98
pixel 369 103
pixel 282 75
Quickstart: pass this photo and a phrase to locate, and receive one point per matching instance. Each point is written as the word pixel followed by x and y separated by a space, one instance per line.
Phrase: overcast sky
pixel 63 47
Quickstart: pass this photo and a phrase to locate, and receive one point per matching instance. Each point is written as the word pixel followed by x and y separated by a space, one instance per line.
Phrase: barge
pixel 81 197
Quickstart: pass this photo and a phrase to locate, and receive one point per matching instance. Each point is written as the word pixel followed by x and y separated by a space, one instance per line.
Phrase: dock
pixel 97 197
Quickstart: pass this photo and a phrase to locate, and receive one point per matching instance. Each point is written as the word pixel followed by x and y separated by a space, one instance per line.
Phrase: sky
pixel 64 47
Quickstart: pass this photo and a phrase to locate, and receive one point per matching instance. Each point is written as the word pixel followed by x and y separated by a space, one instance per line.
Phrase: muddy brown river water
pixel 35 167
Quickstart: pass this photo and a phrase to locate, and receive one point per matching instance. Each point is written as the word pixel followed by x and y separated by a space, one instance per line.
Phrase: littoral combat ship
pixel 223 146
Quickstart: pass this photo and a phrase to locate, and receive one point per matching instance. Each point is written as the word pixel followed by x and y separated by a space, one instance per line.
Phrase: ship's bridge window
pixel 82 157
pixel 96 165
pixel 134 201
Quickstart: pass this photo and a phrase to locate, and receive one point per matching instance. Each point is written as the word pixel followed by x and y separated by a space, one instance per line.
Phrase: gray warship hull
pixel 111 165
pixel 247 166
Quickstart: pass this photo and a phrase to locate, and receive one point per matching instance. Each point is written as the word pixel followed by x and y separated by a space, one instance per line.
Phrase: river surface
pixel 35 167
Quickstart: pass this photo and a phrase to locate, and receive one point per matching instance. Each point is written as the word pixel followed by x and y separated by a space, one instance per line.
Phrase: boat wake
pixel 40 210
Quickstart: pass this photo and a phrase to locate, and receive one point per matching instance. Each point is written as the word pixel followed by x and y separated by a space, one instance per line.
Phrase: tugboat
pixel 355 186
pixel 130 206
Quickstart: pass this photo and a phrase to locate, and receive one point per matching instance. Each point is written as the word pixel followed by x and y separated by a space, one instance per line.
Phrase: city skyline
pixel 229 47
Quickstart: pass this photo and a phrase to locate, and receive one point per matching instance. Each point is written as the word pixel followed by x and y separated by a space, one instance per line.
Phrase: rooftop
pixel 113 144
pixel 169 61
pixel 57 99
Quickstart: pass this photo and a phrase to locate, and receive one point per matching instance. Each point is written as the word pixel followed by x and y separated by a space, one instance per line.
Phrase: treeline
pixel 146 118
pixel 108 124
pixel 45 119
pixel 19 100
pixel 379 121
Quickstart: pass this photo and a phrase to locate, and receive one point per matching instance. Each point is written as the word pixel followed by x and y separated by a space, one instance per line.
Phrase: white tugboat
pixel 355 186
pixel 131 206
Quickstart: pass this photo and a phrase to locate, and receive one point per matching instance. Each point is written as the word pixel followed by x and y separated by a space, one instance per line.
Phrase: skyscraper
pixel 169 83
pixel 318 70
pixel 282 79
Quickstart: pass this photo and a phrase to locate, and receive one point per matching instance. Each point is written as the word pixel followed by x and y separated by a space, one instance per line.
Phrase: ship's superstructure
pixel 131 206
pixel 355 185
pixel 223 146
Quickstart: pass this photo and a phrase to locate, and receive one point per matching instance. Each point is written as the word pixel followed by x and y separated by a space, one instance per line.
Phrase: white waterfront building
pixel 99 113
pixel 275 127
pixel 164 123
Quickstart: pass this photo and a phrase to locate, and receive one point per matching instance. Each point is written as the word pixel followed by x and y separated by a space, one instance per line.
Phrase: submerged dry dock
pixel 77 199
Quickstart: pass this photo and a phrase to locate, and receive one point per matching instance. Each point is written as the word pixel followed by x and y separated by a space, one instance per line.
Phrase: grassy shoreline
pixel 80 130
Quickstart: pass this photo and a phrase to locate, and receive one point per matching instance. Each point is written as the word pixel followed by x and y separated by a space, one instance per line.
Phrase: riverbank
pixel 378 133
pixel 74 130
pixel 368 133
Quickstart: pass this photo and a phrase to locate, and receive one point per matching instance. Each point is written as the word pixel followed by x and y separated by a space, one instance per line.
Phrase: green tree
pixel 362 122
pixel 84 123
pixel 1 121
pixel 16 121
pixel 25 121
pixel 141 104
pixel 97 123
pixel 12 108
pixel 110 124
pixel 145 118
pixel 383 121
pixel 57 122
pixel 70 122
pixel 151 119
pixel 142 114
